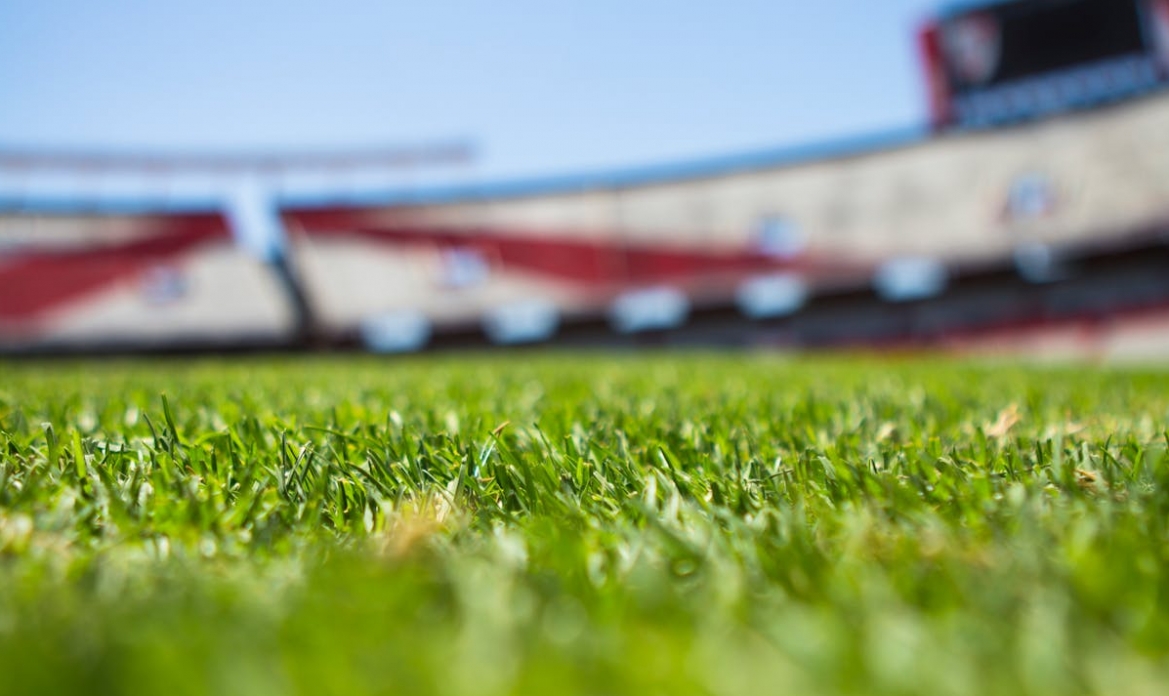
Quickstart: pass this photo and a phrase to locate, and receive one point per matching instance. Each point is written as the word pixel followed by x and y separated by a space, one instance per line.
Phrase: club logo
pixel 162 285
pixel 462 267
pixel 1031 196
pixel 972 45
pixel 779 237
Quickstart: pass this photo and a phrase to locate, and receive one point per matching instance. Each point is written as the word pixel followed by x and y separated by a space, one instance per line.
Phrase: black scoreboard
pixel 1002 62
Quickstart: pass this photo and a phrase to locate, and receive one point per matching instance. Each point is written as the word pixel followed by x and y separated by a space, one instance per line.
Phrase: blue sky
pixel 539 87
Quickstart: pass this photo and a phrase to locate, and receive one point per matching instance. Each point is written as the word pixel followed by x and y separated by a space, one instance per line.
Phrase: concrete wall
pixel 1099 178
pixel 943 197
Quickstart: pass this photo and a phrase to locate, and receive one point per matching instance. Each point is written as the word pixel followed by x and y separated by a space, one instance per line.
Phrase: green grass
pixel 583 524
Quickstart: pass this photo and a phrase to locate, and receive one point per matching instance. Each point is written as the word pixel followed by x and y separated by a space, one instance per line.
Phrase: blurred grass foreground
pixel 565 525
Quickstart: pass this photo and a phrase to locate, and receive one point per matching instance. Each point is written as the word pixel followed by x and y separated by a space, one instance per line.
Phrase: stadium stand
pixel 110 281
pixel 1033 212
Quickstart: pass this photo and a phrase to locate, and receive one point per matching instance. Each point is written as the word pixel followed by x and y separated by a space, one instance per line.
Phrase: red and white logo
pixel 972 45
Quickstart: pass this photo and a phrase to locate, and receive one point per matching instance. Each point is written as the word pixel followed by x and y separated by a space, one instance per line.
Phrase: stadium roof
pixel 645 175
pixel 124 162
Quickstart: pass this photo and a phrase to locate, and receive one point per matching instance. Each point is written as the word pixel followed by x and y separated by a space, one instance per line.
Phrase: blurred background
pixel 971 176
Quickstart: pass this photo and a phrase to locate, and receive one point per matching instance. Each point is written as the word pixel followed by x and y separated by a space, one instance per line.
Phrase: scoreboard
pixel 998 63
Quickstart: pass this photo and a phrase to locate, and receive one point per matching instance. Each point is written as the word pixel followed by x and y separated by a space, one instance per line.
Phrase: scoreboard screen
pixel 1006 42
pixel 1005 61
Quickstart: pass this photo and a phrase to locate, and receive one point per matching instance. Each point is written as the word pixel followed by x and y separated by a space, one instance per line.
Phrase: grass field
pixel 583 524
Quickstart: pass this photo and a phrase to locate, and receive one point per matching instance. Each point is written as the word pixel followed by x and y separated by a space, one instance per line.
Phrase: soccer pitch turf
pixel 583 524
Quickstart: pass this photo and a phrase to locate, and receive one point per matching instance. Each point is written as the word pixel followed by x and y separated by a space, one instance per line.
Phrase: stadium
pixel 881 416
pixel 1029 216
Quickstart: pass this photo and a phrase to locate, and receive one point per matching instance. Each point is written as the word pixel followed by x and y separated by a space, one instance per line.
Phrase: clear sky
pixel 539 86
